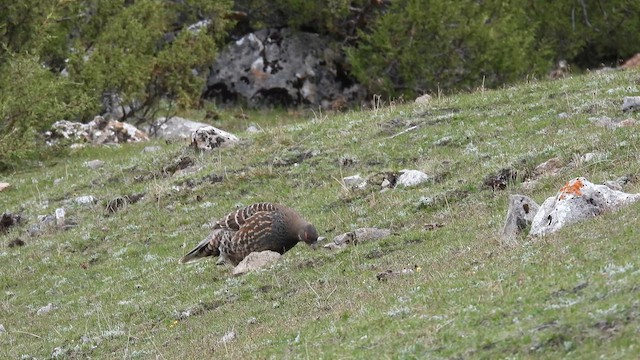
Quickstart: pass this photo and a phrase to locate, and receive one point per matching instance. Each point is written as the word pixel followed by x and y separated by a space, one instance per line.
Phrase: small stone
pixel 94 164
pixel 256 261
pixel 423 100
pixel 354 181
pixel 357 236
pixel 563 115
pixel 444 141
pixel 4 186
pixel 228 337
pixel 59 216
pixel 549 167
pixel 627 123
pixel 411 178
pixel 2 329
pixel 252 129
pixel 45 309
pixel 85 200
pixel 251 320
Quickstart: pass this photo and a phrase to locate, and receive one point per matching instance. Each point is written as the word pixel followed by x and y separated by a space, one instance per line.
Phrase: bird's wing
pixel 255 227
pixel 236 219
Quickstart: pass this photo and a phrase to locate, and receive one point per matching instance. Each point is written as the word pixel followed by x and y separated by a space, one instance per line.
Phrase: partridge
pixel 257 227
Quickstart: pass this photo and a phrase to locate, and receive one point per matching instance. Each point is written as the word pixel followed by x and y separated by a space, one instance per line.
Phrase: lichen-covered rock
pixel 522 210
pixel 282 67
pixel 99 131
pixel 174 128
pixel 256 261
pixel 578 200
pixel 209 138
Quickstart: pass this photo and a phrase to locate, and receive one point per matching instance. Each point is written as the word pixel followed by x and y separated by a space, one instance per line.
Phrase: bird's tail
pixel 203 249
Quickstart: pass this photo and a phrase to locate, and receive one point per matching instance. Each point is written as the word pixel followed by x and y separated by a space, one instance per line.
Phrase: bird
pixel 253 228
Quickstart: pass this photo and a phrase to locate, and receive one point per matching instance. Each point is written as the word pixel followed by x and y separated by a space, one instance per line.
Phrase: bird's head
pixel 308 234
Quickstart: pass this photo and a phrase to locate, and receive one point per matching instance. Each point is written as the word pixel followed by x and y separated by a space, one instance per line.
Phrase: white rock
pixel 422 100
pixel 4 185
pixel 85 200
pixel 256 261
pixel 411 178
pixel 209 138
pixel 175 128
pixel 2 329
pixel 355 181
pixel 578 200
pixel 45 309
pixel 631 103
pixel 230 336
pixel 59 216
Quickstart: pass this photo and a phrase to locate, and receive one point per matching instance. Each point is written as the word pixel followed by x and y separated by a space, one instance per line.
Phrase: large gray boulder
pixel 174 128
pixel 578 200
pixel 281 67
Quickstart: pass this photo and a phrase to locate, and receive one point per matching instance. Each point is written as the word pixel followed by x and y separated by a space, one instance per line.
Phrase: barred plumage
pixel 257 227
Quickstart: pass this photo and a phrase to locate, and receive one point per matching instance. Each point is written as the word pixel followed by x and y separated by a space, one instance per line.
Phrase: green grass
pixel 119 292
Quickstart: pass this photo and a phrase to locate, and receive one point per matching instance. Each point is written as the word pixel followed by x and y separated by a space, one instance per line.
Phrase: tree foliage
pixel 142 51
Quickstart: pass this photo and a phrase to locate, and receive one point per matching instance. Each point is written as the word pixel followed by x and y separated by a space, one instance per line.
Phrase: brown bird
pixel 257 227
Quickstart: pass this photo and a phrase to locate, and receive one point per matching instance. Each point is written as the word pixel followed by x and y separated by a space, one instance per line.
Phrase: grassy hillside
pixel 117 290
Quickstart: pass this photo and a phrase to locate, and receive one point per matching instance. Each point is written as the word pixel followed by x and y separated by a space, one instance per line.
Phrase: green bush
pixel 32 99
pixel 420 46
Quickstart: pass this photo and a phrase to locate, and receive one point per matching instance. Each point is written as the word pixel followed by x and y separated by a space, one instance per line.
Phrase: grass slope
pixel 117 290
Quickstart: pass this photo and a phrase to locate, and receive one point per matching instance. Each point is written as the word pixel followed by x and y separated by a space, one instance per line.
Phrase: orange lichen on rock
pixel 573 187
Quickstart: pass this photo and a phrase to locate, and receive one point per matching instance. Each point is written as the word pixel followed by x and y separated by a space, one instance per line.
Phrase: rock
pixel 547 168
pixel 423 100
pixel 252 129
pixel 444 141
pixel 522 210
pixel 59 214
pixel 45 309
pixel 228 337
pixel 4 186
pixel 563 115
pixel 631 103
pixel 209 138
pixel 2 329
pixel 282 67
pixel 256 261
pixel 85 200
pixel 99 131
pixel 174 128
pixel 411 178
pixel 578 200
pixel 355 181
pixel 357 236
pixel 93 164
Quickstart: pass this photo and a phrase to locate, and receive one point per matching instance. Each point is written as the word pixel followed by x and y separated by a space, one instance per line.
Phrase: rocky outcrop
pixel 578 200
pixel 281 67
pixel 98 131
pixel 174 128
